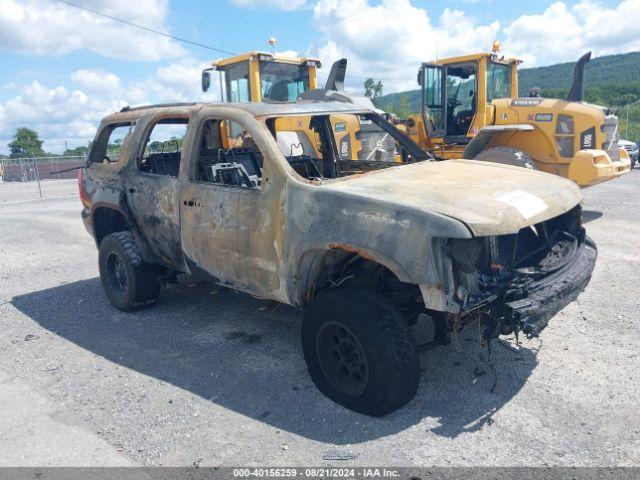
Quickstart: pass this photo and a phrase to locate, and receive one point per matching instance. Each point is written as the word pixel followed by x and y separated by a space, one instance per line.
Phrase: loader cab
pixel 263 77
pixel 457 94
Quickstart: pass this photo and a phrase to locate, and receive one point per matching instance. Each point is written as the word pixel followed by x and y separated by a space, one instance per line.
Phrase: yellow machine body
pixel 470 104
pixel 260 76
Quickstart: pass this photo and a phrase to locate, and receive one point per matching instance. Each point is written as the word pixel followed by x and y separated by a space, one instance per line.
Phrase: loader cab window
pixel 282 82
pixel 163 147
pixel 107 147
pixel 498 81
pixel 431 80
pixel 237 82
pixel 461 86
pixel 226 159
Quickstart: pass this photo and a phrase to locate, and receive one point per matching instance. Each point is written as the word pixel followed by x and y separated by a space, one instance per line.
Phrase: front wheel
pixel 506 156
pixel 128 281
pixel 360 351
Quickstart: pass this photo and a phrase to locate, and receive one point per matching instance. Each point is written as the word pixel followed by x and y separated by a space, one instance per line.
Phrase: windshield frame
pixel 410 147
pixel 492 67
pixel 294 73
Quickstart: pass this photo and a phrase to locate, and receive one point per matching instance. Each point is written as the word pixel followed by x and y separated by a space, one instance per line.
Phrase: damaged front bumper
pixel 542 299
pixel 523 297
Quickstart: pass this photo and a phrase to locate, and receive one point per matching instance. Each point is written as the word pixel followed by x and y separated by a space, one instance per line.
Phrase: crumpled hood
pixel 490 199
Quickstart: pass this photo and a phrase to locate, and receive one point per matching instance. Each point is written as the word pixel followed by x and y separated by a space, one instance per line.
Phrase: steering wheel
pixel 453 102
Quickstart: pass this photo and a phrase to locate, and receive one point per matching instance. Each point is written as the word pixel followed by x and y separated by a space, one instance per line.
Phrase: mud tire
pixel 507 156
pixel 128 282
pixel 386 343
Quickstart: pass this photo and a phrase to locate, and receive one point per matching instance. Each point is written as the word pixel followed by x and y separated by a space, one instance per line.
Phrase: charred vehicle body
pixel 258 197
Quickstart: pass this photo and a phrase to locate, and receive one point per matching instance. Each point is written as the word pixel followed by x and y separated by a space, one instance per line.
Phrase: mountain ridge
pixel 620 71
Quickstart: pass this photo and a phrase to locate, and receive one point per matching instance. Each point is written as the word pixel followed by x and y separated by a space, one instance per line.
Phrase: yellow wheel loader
pixel 263 77
pixel 471 110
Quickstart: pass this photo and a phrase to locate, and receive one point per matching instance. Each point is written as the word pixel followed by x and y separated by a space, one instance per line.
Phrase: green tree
pixel 26 143
pixel 76 152
pixel 372 89
pixel 403 110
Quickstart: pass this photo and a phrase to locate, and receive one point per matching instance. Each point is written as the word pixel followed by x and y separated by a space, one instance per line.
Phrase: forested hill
pixel 610 69
pixel 612 80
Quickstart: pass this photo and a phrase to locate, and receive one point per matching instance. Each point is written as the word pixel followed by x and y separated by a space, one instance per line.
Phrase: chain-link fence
pixel 32 178
pixel 42 168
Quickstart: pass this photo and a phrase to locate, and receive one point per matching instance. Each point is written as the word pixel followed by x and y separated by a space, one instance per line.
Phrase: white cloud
pixel 389 39
pixel 61 113
pixel 287 53
pixel 562 33
pixel 277 4
pixel 96 80
pixel 41 27
pixel 180 82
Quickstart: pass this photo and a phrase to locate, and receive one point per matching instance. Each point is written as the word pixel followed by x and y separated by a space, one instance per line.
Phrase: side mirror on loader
pixel 206 79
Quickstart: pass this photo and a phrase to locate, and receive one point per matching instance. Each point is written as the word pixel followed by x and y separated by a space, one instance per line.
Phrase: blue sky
pixel 63 69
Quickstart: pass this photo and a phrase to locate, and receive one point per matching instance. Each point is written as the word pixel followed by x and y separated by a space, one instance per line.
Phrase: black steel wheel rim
pixel 116 274
pixel 342 358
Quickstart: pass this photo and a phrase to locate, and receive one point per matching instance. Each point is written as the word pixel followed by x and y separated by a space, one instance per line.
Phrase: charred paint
pixel 273 241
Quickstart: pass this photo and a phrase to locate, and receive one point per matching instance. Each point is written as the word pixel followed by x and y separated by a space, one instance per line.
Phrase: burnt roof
pixel 256 109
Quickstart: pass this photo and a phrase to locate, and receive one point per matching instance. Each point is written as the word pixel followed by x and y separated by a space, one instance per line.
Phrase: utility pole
pixel 221 90
pixel 35 164
pixel 626 130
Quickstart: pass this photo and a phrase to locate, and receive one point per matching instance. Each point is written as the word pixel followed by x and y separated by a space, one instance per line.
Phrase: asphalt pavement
pixel 212 377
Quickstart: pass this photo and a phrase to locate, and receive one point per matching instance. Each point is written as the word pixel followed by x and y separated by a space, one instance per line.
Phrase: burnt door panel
pixel 229 233
pixel 153 199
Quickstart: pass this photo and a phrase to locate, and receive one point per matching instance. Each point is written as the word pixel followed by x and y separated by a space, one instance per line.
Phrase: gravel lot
pixel 211 377
pixel 12 192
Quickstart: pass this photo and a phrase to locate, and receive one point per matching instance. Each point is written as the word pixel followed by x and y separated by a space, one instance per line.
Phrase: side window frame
pixel 144 136
pixel 102 141
pixel 194 159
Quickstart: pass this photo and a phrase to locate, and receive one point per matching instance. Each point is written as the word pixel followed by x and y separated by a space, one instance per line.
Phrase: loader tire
pixel 506 156
pixel 360 351
pixel 128 281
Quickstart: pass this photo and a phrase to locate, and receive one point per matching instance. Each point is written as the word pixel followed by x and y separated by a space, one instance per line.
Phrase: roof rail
pixel 127 108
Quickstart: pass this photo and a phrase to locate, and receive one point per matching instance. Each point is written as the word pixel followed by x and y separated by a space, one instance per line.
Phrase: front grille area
pixel 611 137
pixel 630 148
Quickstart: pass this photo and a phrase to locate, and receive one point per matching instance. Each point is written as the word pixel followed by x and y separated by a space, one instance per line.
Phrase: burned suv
pixel 266 199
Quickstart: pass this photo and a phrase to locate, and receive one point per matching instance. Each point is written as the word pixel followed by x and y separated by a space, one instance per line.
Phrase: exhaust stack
pixel 335 81
pixel 576 93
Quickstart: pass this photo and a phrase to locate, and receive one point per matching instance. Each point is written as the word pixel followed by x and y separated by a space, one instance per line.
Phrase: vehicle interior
pixel 228 160
pixel 315 146
pixel 163 147
pixel 341 144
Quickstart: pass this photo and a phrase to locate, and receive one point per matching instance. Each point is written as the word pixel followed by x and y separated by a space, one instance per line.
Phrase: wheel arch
pixel 108 219
pixel 316 265
pixel 528 138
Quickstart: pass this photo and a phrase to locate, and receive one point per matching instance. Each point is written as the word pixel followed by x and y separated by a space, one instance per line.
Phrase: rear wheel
pixel 506 156
pixel 360 351
pixel 127 280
